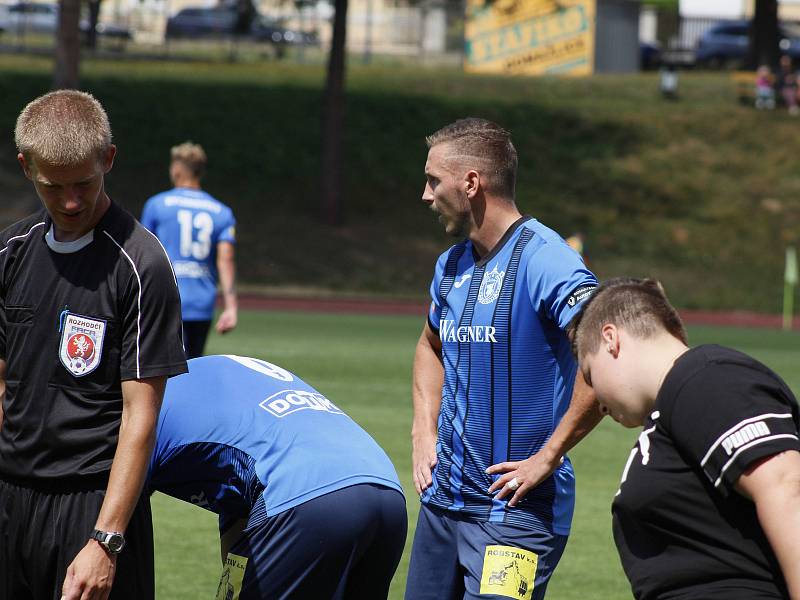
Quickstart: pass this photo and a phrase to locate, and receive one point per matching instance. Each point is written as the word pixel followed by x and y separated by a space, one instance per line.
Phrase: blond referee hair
pixel 63 128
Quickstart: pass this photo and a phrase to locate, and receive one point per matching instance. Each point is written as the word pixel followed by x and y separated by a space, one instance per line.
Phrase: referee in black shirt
pixel 89 332
pixel 709 503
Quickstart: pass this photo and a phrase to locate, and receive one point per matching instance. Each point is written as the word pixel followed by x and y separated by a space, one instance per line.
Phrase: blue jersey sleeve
pixel 435 309
pixel 560 282
pixel 149 217
pixel 227 227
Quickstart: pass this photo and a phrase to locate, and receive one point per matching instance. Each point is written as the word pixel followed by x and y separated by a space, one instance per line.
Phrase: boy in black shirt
pixel 709 502
pixel 89 332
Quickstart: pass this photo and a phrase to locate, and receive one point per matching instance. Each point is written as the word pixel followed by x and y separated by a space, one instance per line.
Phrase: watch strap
pixel 112 541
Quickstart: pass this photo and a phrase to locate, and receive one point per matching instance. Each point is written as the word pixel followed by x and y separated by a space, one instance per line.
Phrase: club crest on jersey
pixel 490 286
pixel 81 346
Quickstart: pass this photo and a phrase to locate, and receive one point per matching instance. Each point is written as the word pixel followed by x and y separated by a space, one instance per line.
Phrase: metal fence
pixel 431 30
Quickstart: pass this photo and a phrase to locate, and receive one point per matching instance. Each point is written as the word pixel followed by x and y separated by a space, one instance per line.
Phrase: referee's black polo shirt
pixel 76 319
pixel 682 530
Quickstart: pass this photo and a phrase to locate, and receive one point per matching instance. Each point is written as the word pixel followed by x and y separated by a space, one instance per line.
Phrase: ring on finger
pixel 513 484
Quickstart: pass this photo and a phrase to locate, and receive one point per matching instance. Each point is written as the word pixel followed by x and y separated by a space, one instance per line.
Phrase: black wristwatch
pixel 112 541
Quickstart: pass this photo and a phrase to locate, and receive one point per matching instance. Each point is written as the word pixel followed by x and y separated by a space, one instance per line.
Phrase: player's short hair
pixel 640 306
pixel 192 156
pixel 482 145
pixel 63 128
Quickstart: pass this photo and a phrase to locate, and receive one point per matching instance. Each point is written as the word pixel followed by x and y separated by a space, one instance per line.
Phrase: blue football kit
pixel 190 223
pixel 508 380
pixel 246 439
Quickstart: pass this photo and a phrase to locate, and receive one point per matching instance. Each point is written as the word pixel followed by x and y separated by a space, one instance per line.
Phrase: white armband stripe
pixel 739 425
pixel 750 445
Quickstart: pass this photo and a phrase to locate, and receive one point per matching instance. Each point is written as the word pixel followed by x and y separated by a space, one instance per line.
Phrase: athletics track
pixel 361 305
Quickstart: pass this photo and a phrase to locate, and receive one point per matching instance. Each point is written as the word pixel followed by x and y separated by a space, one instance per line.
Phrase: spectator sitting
pixel 765 94
pixel 787 84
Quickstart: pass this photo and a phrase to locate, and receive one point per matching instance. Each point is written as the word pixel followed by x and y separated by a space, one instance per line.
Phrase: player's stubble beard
pixel 455 226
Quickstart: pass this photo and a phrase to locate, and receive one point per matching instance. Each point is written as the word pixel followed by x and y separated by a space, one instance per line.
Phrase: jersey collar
pixel 481 261
pixel 67 247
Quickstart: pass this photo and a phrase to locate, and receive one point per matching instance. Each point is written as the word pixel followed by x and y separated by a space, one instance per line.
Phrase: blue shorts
pixel 455 559
pixel 344 544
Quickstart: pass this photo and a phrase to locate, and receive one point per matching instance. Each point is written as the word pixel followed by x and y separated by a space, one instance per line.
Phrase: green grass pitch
pixel 363 364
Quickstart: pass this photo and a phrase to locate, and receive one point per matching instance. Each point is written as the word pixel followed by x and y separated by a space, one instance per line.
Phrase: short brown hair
pixel 192 156
pixel 486 142
pixel 63 128
pixel 638 305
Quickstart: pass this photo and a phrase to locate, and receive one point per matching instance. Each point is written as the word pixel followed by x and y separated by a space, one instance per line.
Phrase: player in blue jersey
pixel 496 401
pixel 198 232
pixel 309 505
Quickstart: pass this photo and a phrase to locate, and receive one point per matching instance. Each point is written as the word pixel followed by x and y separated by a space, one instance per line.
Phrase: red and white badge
pixel 81 344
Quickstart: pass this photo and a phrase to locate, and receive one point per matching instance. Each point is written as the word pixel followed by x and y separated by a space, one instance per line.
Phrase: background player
pixel 309 505
pixel 493 382
pixel 198 232
pixel 709 503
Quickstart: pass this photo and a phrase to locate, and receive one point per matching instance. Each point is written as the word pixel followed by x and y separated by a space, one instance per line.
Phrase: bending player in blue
pixel 309 505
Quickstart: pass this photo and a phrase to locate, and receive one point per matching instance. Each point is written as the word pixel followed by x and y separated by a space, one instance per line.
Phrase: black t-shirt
pixel 681 529
pixel 76 319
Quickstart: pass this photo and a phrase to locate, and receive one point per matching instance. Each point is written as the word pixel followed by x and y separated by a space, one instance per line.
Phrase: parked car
pixel 265 28
pixel 199 22
pixel 29 17
pixel 40 17
pixel 649 55
pixel 726 43
pixel 108 30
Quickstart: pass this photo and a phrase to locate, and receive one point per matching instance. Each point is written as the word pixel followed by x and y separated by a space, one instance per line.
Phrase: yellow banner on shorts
pixel 230 582
pixel 508 571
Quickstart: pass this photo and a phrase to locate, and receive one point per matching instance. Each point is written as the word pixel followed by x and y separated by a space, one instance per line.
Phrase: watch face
pixel 115 542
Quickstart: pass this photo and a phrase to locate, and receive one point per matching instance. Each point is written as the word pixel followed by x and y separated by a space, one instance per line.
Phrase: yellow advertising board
pixel 530 37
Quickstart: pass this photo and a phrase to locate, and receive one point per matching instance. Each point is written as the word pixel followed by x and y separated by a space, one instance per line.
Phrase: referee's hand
pixel 520 477
pixel 90 575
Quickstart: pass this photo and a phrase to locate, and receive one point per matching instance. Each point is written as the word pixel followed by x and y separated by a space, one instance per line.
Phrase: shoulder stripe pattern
pixel 740 424
pixel 448 472
pixel 446 284
pixel 501 362
pixel 19 237
pixel 463 372
pixel 449 276
pixel 747 446
pixel 138 300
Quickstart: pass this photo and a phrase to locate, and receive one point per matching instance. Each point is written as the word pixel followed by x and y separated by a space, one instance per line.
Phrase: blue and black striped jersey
pixel 508 370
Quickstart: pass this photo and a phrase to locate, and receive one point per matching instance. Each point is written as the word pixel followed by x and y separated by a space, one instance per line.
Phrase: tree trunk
pixel 764 37
pixel 91 32
pixel 333 122
pixel 67 58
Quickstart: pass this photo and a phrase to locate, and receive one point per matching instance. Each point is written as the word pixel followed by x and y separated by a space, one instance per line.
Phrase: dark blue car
pixel 726 43
pixel 220 22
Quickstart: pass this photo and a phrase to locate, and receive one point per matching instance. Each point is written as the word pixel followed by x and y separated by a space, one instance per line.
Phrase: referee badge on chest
pixel 81 346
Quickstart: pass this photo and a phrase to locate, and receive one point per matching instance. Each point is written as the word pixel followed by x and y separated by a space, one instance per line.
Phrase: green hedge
pixel 702 192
